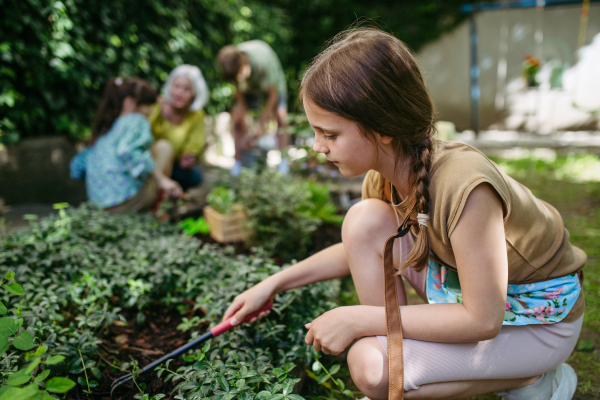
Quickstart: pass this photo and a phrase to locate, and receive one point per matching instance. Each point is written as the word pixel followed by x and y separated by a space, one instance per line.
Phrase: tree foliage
pixel 57 55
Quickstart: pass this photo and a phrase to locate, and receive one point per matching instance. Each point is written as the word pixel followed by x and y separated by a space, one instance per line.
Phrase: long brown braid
pixel 421 166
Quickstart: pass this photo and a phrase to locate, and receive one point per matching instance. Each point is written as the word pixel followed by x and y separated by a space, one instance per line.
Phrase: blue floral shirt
pixel 117 166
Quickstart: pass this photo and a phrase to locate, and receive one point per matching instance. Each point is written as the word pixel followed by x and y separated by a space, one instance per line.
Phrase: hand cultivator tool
pixel 215 331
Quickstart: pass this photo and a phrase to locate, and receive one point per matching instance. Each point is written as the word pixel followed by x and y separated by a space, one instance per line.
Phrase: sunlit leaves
pixel 8 326
pixel 24 341
pixel 54 359
pixel 59 385
pixel 14 288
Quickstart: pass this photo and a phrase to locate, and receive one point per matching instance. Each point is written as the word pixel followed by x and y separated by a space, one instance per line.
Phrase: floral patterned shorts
pixel 545 302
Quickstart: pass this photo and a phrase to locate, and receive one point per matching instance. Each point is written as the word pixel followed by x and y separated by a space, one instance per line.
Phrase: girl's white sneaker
pixel 558 384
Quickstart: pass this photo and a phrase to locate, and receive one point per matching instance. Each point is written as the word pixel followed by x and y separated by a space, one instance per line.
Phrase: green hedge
pixel 57 55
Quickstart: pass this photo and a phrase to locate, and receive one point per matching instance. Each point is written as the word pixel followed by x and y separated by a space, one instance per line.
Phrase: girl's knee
pixel 368 367
pixel 162 147
pixel 369 219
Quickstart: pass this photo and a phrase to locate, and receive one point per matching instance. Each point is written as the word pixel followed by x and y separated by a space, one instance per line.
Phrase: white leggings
pixel 517 351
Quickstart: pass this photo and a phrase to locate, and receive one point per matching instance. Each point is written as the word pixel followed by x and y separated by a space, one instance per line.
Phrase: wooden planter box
pixel 225 227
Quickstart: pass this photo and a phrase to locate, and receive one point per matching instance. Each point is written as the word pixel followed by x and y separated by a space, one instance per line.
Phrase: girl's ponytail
pixel 111 105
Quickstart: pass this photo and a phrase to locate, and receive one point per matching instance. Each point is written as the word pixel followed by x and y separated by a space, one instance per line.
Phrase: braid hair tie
pixel 422 219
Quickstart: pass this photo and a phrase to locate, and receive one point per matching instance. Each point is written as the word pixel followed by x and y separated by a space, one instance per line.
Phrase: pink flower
pixel 508 307
pixel 554 295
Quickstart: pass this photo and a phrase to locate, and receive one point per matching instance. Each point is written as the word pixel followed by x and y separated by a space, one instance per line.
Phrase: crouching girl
pixel 493 262
pixel 120 171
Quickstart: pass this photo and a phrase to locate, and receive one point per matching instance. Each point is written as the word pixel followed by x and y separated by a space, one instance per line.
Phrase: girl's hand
pixel 187 161
pixel 248 302
pixel 335 330
pixel 171 188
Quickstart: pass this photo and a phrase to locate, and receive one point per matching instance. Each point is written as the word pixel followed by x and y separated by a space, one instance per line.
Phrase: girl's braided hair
pixel 115 92
pixel 371 77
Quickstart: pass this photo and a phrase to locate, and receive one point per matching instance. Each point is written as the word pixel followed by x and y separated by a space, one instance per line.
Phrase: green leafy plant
pixel 323 376
pixel 79 281
pixel 25 383
pixel 234 379
pixel 322 206
pixel 193 226
pixel 278 209
pixel 222 200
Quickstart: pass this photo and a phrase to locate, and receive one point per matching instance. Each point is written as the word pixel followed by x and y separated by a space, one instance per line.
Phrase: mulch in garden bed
pixel 144 343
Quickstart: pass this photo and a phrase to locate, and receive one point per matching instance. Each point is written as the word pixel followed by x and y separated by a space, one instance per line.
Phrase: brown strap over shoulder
pixel 392 315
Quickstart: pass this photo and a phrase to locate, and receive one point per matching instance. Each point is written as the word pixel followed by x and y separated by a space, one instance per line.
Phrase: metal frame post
pixel 475 89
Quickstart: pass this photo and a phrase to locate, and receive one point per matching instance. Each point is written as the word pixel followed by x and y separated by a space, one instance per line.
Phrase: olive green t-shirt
pixel 536 239
pixel 265 68
pixel 187 137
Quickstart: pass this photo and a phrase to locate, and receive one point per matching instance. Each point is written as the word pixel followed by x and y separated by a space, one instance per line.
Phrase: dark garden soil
pixel 324 236
pixel 144 343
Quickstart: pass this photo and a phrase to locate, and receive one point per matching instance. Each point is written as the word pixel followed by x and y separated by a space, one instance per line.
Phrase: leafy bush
pixel 193 226
pixel 256 379
pixel 221 199
pixel 81 267
pixel 19 383
pixel 278 209
pixel 322 205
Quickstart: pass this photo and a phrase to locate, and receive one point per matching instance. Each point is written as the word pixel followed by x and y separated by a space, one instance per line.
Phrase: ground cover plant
pixel 89 276
pixel 282 211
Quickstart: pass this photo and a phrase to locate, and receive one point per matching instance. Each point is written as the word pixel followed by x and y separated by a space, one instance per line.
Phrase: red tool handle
pixel 226 325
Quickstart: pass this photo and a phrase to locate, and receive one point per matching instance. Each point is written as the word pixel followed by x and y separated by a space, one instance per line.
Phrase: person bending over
pixel 256 71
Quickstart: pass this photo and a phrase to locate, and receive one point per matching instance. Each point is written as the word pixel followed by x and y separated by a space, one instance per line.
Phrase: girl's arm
pixel 329 263
pixel 78 165
pixel 479 245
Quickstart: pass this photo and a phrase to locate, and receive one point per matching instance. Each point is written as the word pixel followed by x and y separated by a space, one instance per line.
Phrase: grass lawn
pixel 565 184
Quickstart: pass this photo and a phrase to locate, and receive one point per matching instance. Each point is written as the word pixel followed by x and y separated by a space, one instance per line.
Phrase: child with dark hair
pixel 256 71
pixel 494 264
pixel 120 171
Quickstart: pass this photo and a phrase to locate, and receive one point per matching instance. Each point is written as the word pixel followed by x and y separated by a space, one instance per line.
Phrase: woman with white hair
pixel 178 117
